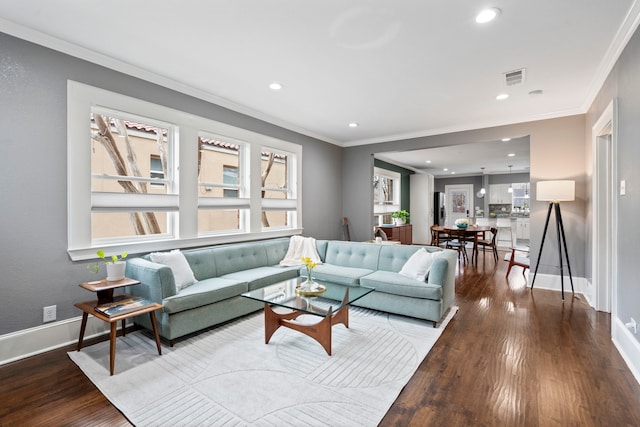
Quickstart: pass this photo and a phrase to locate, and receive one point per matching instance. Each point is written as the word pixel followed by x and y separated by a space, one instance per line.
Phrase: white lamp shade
pixel 556 191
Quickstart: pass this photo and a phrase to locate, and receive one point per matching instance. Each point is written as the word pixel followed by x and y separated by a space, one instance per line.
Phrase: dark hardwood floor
pixel 509 357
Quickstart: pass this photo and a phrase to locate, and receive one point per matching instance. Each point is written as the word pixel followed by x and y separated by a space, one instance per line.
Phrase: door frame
pixel 449 191
pixel 604 210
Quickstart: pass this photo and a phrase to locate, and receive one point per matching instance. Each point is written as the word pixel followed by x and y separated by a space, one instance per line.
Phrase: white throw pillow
pixel 182 272
pixel 418 265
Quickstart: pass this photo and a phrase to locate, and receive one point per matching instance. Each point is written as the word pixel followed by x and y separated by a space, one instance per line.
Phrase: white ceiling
pixel 398 68
pixel 467 159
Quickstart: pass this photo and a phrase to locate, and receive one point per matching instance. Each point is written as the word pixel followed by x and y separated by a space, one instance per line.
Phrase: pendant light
pixel 510 190
pixel 480 194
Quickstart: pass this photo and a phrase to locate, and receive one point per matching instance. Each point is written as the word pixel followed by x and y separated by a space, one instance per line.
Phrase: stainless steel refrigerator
pixel 439 210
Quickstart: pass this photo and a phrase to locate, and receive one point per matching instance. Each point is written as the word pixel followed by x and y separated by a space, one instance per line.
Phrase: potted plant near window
pixel 400 217
pixel 115 267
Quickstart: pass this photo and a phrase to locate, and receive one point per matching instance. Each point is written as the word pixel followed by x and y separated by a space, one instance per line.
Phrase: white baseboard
pixel 29 342
pixel 553 283
pixel 627 345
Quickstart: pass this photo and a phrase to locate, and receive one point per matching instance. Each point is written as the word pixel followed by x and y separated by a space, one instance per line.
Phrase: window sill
pixel 82 254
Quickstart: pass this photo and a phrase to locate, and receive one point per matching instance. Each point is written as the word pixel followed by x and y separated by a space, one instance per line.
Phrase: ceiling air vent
pixel 515 77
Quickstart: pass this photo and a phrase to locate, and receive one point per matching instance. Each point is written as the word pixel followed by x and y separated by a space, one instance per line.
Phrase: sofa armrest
pixel 443 273
pixel 156 280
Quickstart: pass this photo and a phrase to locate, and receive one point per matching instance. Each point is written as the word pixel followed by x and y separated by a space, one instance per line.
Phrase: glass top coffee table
pixel 332 306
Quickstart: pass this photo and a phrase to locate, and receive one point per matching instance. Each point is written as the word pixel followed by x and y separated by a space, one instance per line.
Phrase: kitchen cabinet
pixel 499 194
pixel 522 229
pixel 400 233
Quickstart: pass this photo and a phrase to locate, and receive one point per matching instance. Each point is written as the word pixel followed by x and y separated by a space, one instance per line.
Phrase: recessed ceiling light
pixel 502 96
pixel 428 161
pixel 445 169
pixel 453 173
pixel 511 155
pixel 275 86
pixel 506 139
pixel 487 15
pixel 353 125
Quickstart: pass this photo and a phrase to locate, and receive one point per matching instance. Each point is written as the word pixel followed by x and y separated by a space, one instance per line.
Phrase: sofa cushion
pixel 204 292
pixel 183 276
pixel 202 262
pixel 353 254
pixel 321 246
pixel 260 277
pixel 349 276
pixel 239 257
pixel 275 249
pixel 393 283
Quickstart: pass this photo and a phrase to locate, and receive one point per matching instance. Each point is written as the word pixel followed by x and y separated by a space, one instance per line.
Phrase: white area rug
pixel 228 376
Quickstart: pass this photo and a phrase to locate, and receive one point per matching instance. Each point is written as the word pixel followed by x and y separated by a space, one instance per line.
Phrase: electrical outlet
pixel 634 326
pixel 48 314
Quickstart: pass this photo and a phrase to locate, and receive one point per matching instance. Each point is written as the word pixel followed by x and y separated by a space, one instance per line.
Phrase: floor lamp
pixel 555 192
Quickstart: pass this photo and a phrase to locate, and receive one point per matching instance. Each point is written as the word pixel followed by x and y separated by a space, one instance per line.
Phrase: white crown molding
pixel 622 37
pixel 80 52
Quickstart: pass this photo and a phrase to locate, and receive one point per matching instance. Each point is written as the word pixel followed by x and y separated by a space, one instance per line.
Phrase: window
pixel 156 170
pixel 230 177
pixel 145 177
pixel 278 199
pixel 128 198
pixel 223 201
pixel 520 197
pixel 386 195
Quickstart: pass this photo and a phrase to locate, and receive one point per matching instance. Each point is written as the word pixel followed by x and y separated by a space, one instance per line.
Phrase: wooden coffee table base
pixel 321 331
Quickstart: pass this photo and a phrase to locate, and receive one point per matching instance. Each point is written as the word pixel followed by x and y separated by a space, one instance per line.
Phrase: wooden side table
pixel 104 290
pixel 88 307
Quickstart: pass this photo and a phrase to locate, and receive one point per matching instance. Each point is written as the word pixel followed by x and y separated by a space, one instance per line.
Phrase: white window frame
pixel 131 202
pixel 380 209
pixel 289 204
pixel 82 98
pixel 243 201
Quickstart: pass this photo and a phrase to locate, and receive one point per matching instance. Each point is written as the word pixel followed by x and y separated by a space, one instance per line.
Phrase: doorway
pixel 458 202
pixel 603 291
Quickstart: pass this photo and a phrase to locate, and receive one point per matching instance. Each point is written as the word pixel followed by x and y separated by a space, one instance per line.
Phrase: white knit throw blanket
pixel 300 247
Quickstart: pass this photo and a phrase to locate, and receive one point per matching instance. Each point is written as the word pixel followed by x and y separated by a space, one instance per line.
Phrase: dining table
pixel 471 230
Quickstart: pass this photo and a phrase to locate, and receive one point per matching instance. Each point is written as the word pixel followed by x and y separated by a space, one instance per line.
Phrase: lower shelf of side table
pixel 88 307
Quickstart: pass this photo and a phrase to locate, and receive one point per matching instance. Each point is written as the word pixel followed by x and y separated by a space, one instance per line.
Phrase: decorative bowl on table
pixel 462 222
pixel 310 289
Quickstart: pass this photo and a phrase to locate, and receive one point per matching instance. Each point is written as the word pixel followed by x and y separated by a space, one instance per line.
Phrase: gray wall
pixel 623 84
pixel 557 152
pixel 34 265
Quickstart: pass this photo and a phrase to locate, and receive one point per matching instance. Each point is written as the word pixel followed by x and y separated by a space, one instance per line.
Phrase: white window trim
pixel 82 98
pixel 382 209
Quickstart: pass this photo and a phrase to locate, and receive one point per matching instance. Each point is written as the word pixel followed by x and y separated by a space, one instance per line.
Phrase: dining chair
pixel 489 243
pixel 457 240
pixel 438 238
pixel 519 257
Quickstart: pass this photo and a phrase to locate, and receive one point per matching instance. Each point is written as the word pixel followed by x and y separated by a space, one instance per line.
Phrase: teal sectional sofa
pixel 224 272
